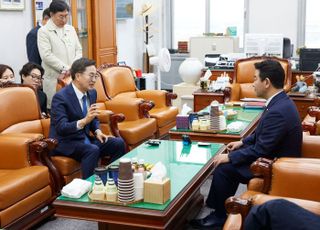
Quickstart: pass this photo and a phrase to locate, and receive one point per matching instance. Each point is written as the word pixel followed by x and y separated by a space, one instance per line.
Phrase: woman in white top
pixel 58 46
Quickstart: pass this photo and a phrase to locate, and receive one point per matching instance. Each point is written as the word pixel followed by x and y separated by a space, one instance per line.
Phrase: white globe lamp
pixel 190 70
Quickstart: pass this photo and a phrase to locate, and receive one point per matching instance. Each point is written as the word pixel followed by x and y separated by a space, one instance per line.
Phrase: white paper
pixel 76 188
pixel 253 99
pixel 159 172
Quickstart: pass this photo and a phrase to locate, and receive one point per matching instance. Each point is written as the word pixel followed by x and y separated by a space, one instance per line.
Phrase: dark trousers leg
pixel 281 214
pixel 114 147
pixel 88 155
pixel 224 184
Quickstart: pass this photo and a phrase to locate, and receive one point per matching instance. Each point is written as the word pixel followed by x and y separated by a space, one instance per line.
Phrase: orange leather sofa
pixel 294 179
pixel 242 85
pixel 26 186
pixel 119 85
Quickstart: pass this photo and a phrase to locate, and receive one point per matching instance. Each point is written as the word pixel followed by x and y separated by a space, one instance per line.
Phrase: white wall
pixel 130 36
pixel 14 26
pixel 274 16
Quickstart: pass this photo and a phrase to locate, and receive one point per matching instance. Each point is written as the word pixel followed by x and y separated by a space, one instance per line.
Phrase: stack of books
pixel 254 105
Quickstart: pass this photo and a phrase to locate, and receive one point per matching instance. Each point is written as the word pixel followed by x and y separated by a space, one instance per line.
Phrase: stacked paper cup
pixel 125 181
pixel 214 117
pixel 138 185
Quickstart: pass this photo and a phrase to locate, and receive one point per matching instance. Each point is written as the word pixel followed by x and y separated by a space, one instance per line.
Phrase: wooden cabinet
pixel 303 103
pixel 203 98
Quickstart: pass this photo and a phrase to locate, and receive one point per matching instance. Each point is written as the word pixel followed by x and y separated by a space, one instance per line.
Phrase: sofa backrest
pixel 19 110
pixel 117 80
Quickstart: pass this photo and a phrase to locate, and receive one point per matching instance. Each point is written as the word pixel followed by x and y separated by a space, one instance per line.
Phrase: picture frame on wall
pixel 12 4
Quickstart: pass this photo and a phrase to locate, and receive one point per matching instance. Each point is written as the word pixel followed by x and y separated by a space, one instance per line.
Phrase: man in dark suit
pixel 278 134
pixel 31 40
pixel 73 117
pixel 281 214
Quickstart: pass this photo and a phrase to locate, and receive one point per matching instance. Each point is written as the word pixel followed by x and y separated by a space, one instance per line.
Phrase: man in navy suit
pixel 281 214
pixel 278 134
pixel 31 40
pixel 73 117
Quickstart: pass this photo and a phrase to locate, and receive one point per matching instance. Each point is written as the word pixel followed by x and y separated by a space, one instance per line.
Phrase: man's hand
pixel 220 159
pixel 101 136
pixel 92 113
pixel 234 145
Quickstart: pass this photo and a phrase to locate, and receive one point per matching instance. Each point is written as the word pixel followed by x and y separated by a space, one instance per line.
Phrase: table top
pixel 247 117
pixel 184 164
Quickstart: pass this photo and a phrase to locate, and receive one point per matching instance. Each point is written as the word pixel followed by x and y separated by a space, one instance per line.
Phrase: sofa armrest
pixel 262 168
pixel 21 150
pixel 133 108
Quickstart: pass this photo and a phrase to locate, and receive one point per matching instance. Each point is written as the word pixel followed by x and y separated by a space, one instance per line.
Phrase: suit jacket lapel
pixel 74 100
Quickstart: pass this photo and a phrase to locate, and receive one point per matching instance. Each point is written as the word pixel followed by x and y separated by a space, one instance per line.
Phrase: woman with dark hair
pixel 6 74
pixel 32 74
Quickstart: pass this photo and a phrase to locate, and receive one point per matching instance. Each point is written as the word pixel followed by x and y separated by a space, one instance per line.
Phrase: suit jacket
pixel 65 112
pixel 57 54
pixel 32 46
pixel 278 134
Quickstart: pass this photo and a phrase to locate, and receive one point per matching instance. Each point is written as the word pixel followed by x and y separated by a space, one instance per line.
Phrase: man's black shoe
pixel 209 221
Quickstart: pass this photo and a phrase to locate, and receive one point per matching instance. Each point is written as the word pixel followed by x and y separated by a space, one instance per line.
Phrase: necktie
pixel 85 111
pixel 84 105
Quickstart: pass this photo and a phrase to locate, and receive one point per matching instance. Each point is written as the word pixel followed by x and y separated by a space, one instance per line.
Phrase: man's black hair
pixel 272 70
pixel 80 65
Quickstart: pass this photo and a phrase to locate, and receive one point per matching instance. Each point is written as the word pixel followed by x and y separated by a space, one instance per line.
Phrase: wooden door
pixel 104 31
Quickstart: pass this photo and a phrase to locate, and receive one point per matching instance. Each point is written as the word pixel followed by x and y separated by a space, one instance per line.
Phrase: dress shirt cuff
pixel 97 131
pixel 78 125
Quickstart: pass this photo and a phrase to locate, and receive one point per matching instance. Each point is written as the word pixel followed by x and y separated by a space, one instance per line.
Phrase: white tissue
pixel 158 172
pixel 206 76
pixel 235 127
pixel 76 188
pixel 185 109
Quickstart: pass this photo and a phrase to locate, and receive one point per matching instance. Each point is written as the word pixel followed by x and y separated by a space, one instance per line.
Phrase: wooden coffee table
pixel 249 118
pixel 187 166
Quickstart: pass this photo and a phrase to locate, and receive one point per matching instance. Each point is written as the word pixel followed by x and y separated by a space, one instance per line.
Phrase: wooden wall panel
pixel 104 31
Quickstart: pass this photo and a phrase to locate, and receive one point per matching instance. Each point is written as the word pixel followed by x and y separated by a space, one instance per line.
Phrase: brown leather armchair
pixel 26 187
pixel 119 85
pixel 135 127
pixel 27 119
pixel 241 86
pixel 293 179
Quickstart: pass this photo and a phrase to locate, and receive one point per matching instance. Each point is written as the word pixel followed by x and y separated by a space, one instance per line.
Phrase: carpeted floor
pixel 70 224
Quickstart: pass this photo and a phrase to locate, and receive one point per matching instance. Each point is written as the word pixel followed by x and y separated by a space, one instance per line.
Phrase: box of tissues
pixel 157 187
pixel 182 121
pixel 157 192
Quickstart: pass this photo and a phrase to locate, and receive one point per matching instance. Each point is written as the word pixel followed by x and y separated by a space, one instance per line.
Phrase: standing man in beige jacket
pixel 58 46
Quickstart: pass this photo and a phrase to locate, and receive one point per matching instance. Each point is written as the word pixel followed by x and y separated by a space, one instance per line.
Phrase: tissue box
pixel 182 122
pixel 157 192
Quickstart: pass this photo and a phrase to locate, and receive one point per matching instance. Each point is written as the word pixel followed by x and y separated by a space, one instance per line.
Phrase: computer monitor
pixel 309 59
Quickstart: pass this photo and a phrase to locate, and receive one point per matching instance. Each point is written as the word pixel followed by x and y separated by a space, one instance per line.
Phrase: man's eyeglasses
pixel 36 77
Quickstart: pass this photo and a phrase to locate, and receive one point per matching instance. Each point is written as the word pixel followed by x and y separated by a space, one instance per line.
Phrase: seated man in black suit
pixel 281 214
pixel 73 116
pixel 278 134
